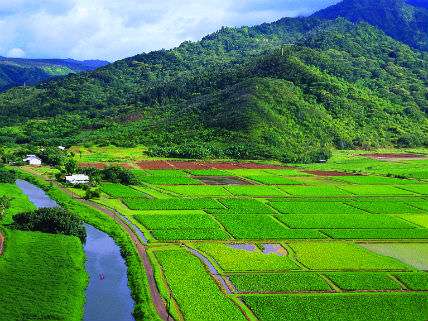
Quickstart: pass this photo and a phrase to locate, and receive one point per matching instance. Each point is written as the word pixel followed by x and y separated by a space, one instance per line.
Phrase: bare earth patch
pixel 1 243
pixel 395 156
pixel 93 165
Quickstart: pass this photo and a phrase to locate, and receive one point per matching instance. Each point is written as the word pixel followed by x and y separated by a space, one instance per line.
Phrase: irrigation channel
pixel 108 297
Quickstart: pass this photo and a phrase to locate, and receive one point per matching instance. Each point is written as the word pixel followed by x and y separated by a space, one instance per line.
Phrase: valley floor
pixel 345 240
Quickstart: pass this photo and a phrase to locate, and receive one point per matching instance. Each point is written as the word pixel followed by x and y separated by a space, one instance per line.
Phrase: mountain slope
pixel 339 84
pixel 406 21
pixel 17 72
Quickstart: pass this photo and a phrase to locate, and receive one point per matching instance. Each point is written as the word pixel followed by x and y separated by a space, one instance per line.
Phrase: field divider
pixel 2 241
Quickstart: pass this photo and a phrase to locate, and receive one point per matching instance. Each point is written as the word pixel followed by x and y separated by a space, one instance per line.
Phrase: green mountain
pixel 289 90
pixel 404 20
pixel 18 72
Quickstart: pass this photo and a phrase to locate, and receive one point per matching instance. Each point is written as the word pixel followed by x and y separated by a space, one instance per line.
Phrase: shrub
pixel 7 176
pixel 50 220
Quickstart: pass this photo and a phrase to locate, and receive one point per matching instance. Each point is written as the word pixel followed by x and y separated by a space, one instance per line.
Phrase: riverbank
pixel 149 304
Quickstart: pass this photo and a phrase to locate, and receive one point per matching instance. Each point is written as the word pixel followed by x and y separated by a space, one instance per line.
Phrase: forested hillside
pixel 404 20
pixel 17 71
pixel 289 90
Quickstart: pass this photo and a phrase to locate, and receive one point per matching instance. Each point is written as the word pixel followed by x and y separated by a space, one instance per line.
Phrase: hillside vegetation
pixel 289 90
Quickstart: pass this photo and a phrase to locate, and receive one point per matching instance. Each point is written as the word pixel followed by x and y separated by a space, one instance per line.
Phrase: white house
pixel 77 179
pixel 61 148
pixel 33 160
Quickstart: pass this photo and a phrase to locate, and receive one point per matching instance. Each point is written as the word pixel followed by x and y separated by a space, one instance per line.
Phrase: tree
pixel 51 220
pixel 4 205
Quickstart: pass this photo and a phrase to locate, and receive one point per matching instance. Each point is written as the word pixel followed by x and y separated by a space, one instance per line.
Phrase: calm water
pixel 108 297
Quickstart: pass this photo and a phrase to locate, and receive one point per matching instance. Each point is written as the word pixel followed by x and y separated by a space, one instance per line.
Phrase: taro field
pixel 268 243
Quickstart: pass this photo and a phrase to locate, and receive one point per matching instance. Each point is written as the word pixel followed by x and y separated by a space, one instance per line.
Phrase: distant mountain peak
pixel 404 20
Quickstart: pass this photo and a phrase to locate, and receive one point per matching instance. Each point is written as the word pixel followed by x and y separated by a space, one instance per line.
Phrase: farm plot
pixel 177 221
pixel 172 235
pixel 274 180
pixel 234 259
pixel 194 290
pixel 342 256
pixel 351 281
pixel 418 189
pixel 379 190
pixel 121 191
pixel 386 207
pixel 374 180
pixel 315 191
pixel 378 234
pixel 315 208
pixel 198 191
pixel 245 206
pixel 343 221
pixel 256 191
pixel 279 282
pixel 343 307
pixel 172 204
pixel 414 281
pixel 261 226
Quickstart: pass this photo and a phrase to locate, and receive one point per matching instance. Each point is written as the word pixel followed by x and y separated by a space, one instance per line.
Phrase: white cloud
pixel 112 29
pixel 16 53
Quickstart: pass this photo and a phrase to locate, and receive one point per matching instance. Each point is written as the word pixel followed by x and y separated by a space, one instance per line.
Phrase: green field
pixel 42 277
pixel 291 246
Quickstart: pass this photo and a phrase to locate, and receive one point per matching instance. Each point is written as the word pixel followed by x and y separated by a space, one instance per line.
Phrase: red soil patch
pixel 224 165
pixel 260 166
pixel 126 165
pixel 394 156
pixel 155 165
pixel 93 165
pixel 1 243
pixel 189 165
pixel 328 173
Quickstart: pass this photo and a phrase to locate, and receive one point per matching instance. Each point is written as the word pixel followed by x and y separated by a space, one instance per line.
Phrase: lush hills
pixel 17 71
pixel 287 90
pixel 404 20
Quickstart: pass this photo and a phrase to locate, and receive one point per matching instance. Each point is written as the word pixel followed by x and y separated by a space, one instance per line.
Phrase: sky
pixel 115 29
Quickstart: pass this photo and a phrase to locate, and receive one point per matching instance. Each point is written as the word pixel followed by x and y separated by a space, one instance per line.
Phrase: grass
pixel 255 191
pixel 340 307
pixel 42 277
pixel 279 282
pixel 343 221
pixel 342 256
pixel 193 288
pixel 351 281
pixel 421 220
pixel 236 260
pixel 414 281
pixel 197 191
pixel 172 204
pixel 261 227
pixel 378 234
pixel 315 208
pixel 120 191
pixel 20 202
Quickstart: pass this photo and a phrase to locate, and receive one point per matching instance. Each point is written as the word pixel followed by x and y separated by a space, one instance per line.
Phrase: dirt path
pixel 1 243
pixel 141 249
